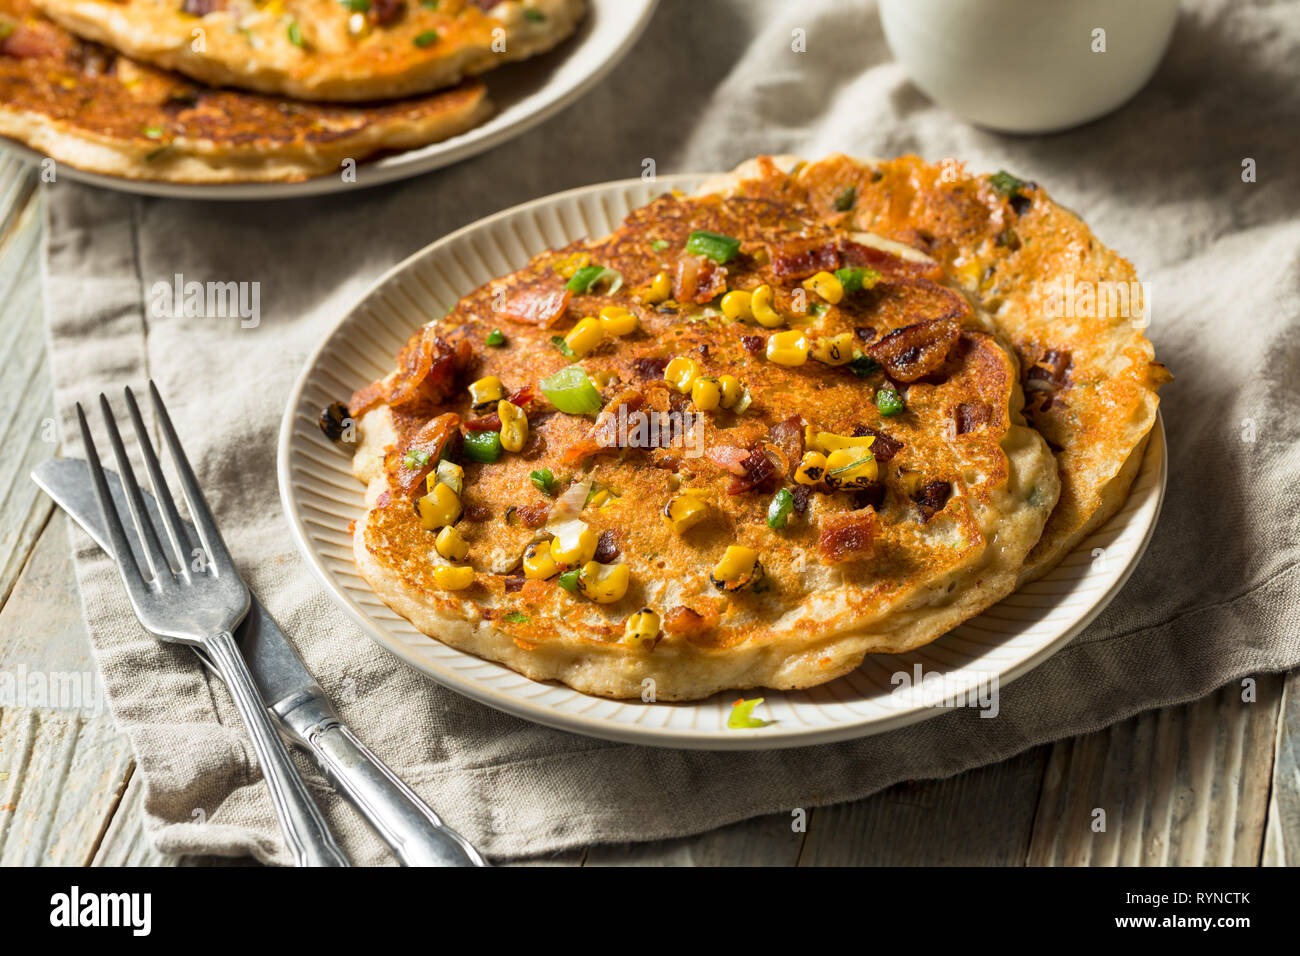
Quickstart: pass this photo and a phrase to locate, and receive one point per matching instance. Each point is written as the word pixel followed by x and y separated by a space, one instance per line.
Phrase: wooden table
pixel 1213 782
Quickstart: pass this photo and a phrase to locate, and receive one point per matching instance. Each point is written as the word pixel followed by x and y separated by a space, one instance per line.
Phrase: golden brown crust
pixel 93 109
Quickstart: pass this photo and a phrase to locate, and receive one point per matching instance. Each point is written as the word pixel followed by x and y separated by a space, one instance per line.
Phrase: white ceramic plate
pixel 524 95
pixel 320 497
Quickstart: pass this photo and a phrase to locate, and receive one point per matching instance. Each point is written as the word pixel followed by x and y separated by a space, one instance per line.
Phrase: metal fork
pixel 199 606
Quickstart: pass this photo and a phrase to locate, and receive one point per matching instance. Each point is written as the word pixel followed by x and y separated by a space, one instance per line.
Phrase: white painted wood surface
pixel 1212 782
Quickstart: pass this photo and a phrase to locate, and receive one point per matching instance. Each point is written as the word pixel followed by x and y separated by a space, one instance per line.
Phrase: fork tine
pixel 121 547
pixel 161 492
pixel 154 556
pixel 198 505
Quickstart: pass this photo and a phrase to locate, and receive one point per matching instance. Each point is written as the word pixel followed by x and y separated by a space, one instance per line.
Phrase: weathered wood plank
pixel 17 183
pixel 1182 786
pixel 1282 833
pixel 982 817
pixel 763 841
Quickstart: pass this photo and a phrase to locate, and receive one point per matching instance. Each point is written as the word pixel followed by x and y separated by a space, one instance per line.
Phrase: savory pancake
pixel 756 449
pixel 1071 308
pixel 88 107
pixel 340 50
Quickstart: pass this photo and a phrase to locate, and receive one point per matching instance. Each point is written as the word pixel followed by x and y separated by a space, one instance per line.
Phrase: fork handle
pixel 304 828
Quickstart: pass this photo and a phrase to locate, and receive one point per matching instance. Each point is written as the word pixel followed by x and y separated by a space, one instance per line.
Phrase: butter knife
pixel 416 834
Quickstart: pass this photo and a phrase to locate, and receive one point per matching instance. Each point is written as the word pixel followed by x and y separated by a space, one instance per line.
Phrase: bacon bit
pixel 384 499
pixel 971 415
pixel 607 547
pixel 523 396
pixel 488 423
pixel 728 458
pixel 686 622
pixel 846 536
pixel 788 436
pixel 647 369
pixel 800 258
pixel 801 495
pixel 535 447
pixel 886 263
pixel 363 400
pixel 865 333
pixel 581 449
pixel 884 447
pixel 428 441
pixel 427 369
pixel 534 515
pixel 760 474
pixel 916 350
pixel 753 344
pixel 477 513
pixel 873 496
pixel 1052 369
pixel 514 583
pixel 28 43
pixel 698 279
pixel 538 304
pixel 384 12
pixel 201 8
pixel 932 499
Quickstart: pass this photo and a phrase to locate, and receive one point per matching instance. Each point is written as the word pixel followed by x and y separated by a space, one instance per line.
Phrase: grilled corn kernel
pixel 566 266
pixel 829 441
pixel 439 508
pixel 850 468
pixel 760 303
pixel 642 629
pixel 450 544
pixel 731 390
pixel 604 377
pixel 738 568
pixel 574 545
pixel 453 579
pixel 448 473
pixel 358 25
pixel 812 468
pixel 659 289
pixel 617 320
pixel 514 425
pixel 787 348
pixel 603 583
pixel 538 563
pixel 585 336
pixel 682 373
pixel 486 391
pixel 826 285
pixel 834 349
pixel 706 393
pixel 684 511
pixel 735 306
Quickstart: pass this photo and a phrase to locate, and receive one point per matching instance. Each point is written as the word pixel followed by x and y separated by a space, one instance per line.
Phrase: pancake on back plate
pixel 847 470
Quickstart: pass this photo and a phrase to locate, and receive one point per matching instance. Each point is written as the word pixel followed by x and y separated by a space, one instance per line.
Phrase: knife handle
pixel 416 834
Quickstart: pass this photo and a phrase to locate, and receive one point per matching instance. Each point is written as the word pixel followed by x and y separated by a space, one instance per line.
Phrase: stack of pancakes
pixel 225 91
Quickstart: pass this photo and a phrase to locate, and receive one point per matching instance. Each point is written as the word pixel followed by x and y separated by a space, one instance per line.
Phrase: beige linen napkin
pixel 709 85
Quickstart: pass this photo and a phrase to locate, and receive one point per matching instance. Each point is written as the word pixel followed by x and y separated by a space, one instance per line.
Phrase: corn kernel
pixel 486 391
pixel 731 390
pixel 826 285
pixel 585 336
pixel 834 349
pixel 453 579
pixel 812 468
pixel 604 377
pixel 514 425
pixel 682 373
pixel 659 289
pixel 829 441
pixel 684 511
pixel 617 320
pixel 448 473
pixel 450 544
pixel 603 583
pixel 850 468
pixel 642 629
pixel 566 266
pixel 538 563
pixel 599 499
pixel 738 568
pixel 706 393
pixel 735 306
pixel 439 508
pixel 574 545
pixel 787 348
pixel 765 314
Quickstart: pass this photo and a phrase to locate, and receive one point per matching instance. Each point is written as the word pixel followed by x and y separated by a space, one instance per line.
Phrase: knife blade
pixel 416 834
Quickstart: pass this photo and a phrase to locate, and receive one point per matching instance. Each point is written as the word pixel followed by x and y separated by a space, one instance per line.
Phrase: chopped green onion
pixel 416 458
pixel 851 466
pixel 357 6
pixel 863 366
pixel 818 308
pixel 483 446
pixel 741 716
pixel 563 347
pixel 429 4
pixel 571 391
pixel 716 246
pixel 427 38
pixel 294 32
pixel 778 512
pixel 535 15
pixel 857 278
pixel 845 200
pixel 543 480
pixel 496 338
pixel 516 617
pixel 1005 183
pixel 153 132
pixel 889 402
pixel 659 245
pixel 569 579
pixel 583 279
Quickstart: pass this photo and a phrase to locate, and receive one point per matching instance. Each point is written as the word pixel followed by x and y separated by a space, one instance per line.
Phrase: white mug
pixel 1029 66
